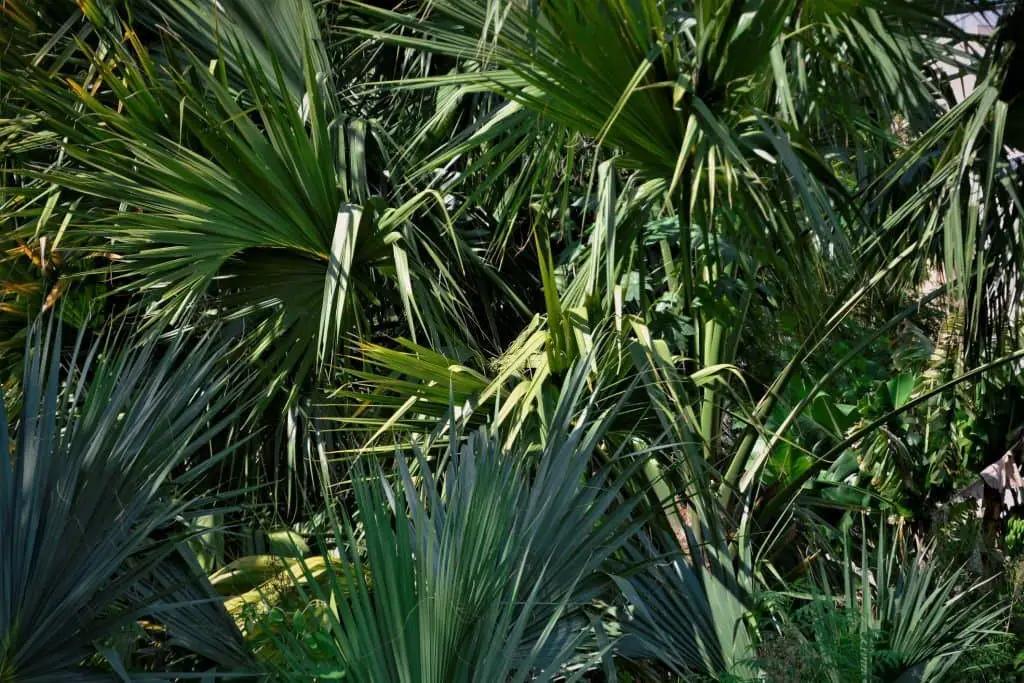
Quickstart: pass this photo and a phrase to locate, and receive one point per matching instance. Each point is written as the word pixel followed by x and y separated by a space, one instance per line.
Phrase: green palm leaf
pixel 482 573
pixel 88 489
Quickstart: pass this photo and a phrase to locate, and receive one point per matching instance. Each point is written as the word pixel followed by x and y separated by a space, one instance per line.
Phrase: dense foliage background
pixel 495 340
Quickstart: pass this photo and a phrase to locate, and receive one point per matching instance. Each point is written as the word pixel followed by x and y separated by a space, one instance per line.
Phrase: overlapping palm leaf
pixel 251 208
pixel 916 618
pixel 482 572
pixel 91 493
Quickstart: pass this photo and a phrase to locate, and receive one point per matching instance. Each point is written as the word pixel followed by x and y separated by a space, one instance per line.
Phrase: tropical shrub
pixel 493 340
pixel 92 497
